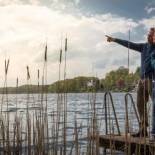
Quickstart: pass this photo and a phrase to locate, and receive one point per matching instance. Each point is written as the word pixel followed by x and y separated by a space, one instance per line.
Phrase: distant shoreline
pixel 98 92
pixel 119 80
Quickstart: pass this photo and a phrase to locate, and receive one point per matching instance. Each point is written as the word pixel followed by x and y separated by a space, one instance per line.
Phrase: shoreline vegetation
pixel 116 80
pixel 39 126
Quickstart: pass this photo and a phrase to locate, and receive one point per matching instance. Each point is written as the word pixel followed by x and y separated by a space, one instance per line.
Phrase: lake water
pixel 80 109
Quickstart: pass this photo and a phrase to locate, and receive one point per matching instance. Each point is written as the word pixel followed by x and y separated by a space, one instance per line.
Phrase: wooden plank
pixel 126 143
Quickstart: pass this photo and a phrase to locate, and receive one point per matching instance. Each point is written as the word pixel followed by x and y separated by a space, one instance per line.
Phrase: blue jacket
pixel 146 51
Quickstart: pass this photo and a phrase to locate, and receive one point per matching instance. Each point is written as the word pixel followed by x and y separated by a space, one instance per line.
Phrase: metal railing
pixel 129 96
pixel 108 94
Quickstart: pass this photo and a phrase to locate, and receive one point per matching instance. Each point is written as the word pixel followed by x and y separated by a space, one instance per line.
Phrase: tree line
pixel 116 80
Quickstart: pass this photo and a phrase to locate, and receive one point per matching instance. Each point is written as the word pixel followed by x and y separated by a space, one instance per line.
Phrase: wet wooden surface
pixel 127 144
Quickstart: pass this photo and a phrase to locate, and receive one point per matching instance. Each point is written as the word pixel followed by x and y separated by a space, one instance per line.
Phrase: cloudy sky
pixel 26 26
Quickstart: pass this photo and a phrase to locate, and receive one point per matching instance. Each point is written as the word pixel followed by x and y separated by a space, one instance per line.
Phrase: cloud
pixel 67 6
pixel 150 7
pixel 77 2
pixel 9 2
pixel 34 2
pixel 19 2
pixel 148 22
pixel 26 28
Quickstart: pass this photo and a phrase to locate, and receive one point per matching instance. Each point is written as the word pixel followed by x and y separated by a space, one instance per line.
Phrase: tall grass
pixel 40 131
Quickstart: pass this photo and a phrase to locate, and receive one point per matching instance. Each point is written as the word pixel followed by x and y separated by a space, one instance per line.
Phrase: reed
pixel 59 101
pixel 65 100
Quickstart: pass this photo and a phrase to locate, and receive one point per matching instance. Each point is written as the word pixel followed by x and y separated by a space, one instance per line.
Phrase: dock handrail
pixel 106 120
pixel 126 110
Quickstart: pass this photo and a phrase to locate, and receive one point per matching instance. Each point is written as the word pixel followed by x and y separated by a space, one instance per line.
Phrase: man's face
pixel 151 36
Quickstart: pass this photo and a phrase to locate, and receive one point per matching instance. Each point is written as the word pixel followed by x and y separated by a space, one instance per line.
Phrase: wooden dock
pixel 123 142
pixel 127 144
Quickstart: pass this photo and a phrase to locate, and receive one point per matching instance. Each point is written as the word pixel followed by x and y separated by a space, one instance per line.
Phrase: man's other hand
pixel 110 39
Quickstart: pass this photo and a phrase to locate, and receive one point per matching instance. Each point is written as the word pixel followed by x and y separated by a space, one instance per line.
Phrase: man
pixel 145 83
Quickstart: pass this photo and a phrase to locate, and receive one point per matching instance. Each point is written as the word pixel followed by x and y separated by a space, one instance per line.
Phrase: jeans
pixel 143 93
pixel 153 108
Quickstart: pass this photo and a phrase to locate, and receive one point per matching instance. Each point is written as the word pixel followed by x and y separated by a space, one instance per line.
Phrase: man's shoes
pixel 140 134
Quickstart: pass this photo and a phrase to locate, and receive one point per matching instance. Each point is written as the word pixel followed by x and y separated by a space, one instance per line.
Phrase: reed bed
pixel 38 131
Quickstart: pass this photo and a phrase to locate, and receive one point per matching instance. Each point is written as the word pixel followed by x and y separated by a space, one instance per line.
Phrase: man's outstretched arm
pixel 131 45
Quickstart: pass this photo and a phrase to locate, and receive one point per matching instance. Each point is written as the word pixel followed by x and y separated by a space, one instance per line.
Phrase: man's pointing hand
pixel 110 39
